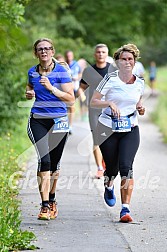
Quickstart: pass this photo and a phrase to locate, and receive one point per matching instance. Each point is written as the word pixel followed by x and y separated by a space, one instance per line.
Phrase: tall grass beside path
pixel 12 238
pixel 159 116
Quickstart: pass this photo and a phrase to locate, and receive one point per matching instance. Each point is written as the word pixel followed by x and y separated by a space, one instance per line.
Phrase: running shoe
pixel 99 174
pixel 70 131
pixel 44 213
pixel 109 197
pixel 125 215
pixel 53 210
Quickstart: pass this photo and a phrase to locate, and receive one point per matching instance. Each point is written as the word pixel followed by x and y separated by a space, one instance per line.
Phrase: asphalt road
pixel 84 222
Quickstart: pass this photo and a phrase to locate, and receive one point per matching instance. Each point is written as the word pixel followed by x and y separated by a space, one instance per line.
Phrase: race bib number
pixel 61 125
pixel 121 125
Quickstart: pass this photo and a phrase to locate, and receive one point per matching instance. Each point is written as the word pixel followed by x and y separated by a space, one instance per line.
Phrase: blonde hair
pixel 127 48
pixel 41 40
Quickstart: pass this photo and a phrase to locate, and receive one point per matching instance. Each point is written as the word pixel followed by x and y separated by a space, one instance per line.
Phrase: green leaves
pixel 11 91
pixel 12 11
pixel 11 236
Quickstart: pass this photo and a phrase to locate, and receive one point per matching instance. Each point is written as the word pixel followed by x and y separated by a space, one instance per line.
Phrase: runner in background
pixel 152 77
pixel 82 96
pixel 60 57
pixel 139 69
pixel 91 77
pixel 76 73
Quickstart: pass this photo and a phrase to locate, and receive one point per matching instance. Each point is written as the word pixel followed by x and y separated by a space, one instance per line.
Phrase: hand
pixel 82 97
pixel 30 94
pixel 115 110
pixel 46 83
pixel 141 110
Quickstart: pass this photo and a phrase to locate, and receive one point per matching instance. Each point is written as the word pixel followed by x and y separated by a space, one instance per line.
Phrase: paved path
pixel 84 222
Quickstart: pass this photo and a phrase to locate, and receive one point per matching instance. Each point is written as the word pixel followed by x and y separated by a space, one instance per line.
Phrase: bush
pixel 160 115
pixel 11 236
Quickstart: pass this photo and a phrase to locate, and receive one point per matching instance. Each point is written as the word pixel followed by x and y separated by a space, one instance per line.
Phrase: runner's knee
pixel 43 166
pixel 126 171
pixel 109 176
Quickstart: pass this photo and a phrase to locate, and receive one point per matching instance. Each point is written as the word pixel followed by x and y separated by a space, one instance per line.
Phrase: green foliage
pixel 119 22
pixel 70 26
pixel 157 53
pixel 153 14
pixel 64 30
pixel 12 87
pixel 109 21
pixel 159 116
pixel 12 11
pixel 13 80
pixel 11 236
pixel 41 19
pixel 64 44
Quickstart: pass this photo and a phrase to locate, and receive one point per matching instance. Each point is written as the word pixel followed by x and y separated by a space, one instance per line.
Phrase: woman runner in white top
pixel 118 131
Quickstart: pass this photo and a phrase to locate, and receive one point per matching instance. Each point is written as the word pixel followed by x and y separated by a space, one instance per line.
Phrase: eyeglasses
pixel 41 49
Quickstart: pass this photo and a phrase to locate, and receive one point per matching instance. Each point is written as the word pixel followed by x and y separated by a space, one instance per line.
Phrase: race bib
pixel 61 125
pixel 122 124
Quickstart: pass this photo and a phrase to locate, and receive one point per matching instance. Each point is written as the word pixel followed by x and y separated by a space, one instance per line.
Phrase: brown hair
pixel 40 40
pixel 127 48
pixel 60 57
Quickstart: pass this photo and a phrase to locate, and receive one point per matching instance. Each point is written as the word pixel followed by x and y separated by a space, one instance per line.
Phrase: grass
pixel 159 116
pixel 12 238
pixel 162 79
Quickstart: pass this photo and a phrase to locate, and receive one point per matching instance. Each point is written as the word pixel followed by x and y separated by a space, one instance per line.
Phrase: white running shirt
pixel 125 96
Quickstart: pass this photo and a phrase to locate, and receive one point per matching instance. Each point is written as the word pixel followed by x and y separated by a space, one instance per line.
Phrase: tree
pixel 118 22
pixel 11 44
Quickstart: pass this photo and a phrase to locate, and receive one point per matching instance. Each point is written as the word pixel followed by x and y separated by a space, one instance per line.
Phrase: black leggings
pixel 49 146
pixel 119 150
